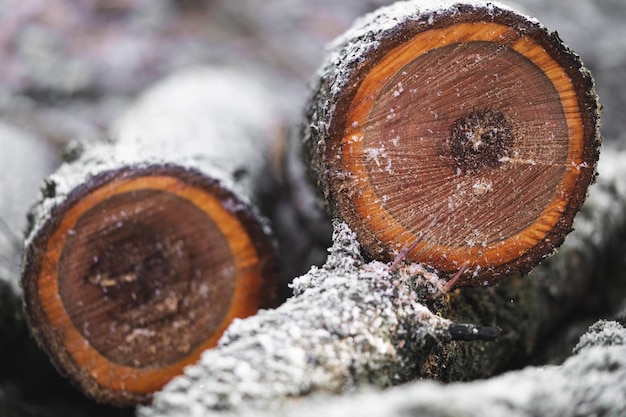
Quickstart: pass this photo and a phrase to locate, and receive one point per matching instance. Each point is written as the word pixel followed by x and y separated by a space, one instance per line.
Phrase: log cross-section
pixel 469 124
pixel 145 249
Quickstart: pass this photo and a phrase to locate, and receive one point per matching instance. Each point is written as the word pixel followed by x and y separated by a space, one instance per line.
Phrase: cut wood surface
pixel 353 323
pixel 465 128
pixel 145 248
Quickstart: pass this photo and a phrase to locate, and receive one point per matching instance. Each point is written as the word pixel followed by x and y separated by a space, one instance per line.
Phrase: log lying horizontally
pixel 465 126
pixel 144 249
pixel 353 323
pixel 589 383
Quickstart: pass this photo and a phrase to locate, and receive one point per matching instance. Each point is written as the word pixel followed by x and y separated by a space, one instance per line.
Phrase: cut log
pixel 468 127
pixel 353 323
pixel 145 248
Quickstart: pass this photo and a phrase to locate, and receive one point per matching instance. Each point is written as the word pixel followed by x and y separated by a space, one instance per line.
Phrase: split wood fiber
pixel 466 126
pixel 144 249
pixel 353 323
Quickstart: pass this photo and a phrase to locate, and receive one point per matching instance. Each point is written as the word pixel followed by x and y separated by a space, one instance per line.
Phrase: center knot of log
pixel 133 278
pixel 480 139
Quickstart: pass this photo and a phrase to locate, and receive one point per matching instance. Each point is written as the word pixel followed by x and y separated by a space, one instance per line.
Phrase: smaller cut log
pixel 465 126
pixel 145 248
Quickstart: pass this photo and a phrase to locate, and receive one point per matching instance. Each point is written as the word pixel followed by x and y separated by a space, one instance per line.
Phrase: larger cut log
pixel 466 127
pixel 144 249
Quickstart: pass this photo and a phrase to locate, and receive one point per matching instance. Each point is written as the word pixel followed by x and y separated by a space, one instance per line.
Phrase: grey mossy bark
pixel 352 323
pixel 589 383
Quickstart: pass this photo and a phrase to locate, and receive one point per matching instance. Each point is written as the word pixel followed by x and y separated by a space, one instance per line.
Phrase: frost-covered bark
pixel 589 383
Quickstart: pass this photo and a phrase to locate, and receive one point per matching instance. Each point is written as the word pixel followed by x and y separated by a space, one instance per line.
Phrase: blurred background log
pixel 24 161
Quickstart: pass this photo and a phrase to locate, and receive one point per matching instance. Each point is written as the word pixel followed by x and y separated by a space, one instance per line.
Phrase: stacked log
pixel 144 248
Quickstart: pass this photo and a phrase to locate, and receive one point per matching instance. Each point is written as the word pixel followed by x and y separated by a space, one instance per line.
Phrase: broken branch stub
pixel 468 123
pixel 144 249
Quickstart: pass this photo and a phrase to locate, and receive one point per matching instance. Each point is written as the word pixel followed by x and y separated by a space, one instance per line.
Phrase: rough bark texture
pixel 352 323
pixel 198 141
pixel 348 323
pixel 589 383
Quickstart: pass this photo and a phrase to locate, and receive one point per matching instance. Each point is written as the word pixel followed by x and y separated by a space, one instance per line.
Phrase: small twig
pixel 470 332
pixel 450 284
pixel 406 249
